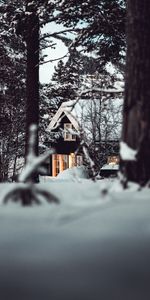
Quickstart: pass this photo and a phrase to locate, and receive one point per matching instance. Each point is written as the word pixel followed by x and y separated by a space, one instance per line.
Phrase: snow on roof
pixel 67 108
pixel 110 167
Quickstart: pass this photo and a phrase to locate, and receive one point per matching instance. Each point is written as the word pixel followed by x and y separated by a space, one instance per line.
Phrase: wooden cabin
pixel 64 138
pixel 64 132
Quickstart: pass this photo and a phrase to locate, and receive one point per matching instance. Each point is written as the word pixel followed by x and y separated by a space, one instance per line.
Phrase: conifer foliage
pixel 101 26
pixel 12 96
pixel 66 80
pixel 98 27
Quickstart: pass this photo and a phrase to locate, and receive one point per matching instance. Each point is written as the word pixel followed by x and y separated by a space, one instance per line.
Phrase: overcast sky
pixel 46 70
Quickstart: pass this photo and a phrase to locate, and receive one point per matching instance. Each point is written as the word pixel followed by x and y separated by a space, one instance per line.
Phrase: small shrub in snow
pixel 25 191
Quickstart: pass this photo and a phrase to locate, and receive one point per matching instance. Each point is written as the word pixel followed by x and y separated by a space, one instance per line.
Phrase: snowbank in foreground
pixel 74 173
pixel 92 246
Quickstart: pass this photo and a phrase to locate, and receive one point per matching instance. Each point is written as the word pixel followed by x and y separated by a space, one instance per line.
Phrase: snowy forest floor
pixel 92 246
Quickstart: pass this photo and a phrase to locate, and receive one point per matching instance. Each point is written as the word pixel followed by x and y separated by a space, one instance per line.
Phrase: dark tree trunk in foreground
pixel 1 175
pixel 136 113
pixel 32 83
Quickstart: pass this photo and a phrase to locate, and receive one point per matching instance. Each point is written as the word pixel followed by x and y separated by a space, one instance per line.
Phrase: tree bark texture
pixel 1 175
pixel 32 81
pixel 136 112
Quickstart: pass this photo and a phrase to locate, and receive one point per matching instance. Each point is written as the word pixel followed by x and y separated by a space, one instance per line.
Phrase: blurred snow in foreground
pixel 93 245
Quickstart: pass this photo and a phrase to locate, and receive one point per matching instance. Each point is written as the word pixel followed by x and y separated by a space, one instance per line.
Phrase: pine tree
pixel 65 81
pixel 101 27
pixel 27 18
pixel 12 96
pixel 103 31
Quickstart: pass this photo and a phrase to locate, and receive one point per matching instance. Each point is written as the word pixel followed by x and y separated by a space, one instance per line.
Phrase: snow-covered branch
pixel 127 153
pixel 101 90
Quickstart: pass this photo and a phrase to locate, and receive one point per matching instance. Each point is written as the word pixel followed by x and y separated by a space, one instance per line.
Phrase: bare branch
pixel 55 34
pixel 55 59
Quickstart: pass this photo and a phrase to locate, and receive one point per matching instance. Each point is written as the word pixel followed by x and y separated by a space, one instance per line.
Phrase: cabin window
pixel 72 160
pixel 113 159
pixel 62 162
pixel 68 136
pixel 79 160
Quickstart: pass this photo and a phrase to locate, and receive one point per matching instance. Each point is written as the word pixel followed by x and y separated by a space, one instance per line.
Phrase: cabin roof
pixel 66 109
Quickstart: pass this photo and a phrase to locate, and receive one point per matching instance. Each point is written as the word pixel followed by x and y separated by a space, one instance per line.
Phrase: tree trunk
pixel 32 83
pixel 136 112
pixel 1 174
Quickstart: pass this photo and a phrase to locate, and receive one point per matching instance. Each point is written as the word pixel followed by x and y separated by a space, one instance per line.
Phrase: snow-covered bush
pixel 25 191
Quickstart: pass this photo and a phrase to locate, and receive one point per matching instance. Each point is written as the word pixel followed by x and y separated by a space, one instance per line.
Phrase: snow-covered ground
pixel 94 245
